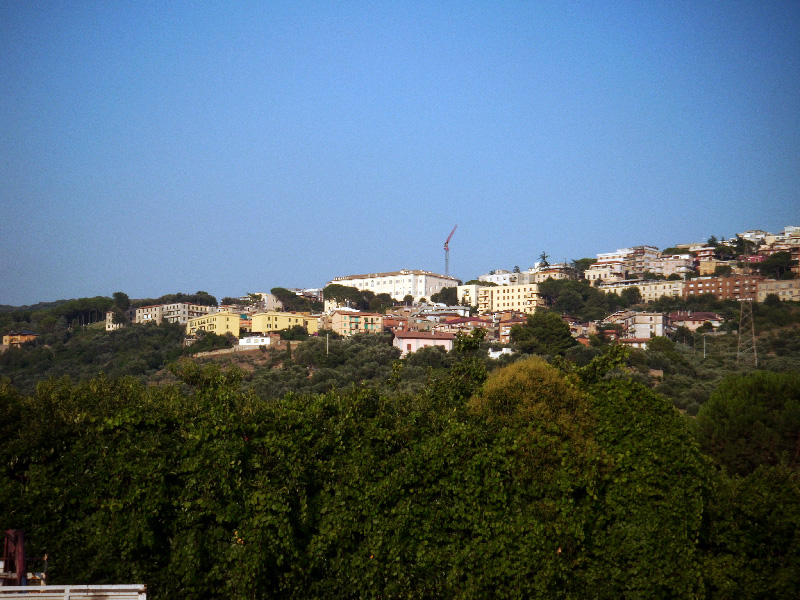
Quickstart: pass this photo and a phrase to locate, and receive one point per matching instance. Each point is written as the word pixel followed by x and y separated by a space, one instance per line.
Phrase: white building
pixel 254 341
pixel 499 277
pixel 639 325
pixel 675 264
pixel 399 284
pixel 179 312
pixel 616 266
pixel 540 274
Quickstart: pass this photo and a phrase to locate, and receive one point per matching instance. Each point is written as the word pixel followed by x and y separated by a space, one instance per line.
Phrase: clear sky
pixel 158 147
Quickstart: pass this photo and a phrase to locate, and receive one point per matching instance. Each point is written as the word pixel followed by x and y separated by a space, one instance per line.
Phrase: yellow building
pixel 17 338
pixel 650 290
pixel 276 321
pixel 785 290
pixel 523 298
pixel 219 323
pixel 349 322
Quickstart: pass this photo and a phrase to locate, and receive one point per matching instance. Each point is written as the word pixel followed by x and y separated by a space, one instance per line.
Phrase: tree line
pixel 531 481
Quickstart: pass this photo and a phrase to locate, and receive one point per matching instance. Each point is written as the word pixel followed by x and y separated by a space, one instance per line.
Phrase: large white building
pixel 536 274
pixel 399 284
pixel 500 277
pixel 178 312
pixel 616 266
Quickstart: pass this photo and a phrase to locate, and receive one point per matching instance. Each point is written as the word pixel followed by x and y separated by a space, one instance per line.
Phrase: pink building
pixel 411 341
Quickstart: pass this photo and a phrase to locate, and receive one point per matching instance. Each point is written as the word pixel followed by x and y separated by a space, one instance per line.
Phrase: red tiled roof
pixel 424 335
pixel 467 320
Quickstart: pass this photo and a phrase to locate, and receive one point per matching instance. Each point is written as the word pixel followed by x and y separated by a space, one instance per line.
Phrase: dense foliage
pixel 293 302
pixel 545 334
pixel 47 317
pixel 353 297
pixel 199 297
pixel 142 350
pixel 534 484
pixel 579 298
pixel 753 420
pixel 85 352
pixel 447 296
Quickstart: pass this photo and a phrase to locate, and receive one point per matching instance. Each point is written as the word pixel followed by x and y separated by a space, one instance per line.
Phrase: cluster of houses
pixel 498 300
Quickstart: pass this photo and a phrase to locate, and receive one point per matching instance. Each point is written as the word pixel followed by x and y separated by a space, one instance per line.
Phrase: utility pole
pixel 447 252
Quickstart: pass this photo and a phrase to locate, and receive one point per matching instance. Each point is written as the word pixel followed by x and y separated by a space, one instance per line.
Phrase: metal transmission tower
pixel 447 251
pixel 746 351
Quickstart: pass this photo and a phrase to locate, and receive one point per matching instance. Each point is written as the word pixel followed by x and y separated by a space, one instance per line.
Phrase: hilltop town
pixel 421 308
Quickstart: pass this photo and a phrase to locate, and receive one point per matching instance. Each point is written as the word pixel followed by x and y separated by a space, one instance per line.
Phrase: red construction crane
pixel 447 251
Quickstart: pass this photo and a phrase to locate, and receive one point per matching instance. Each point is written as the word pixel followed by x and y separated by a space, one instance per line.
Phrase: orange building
pixel 16 338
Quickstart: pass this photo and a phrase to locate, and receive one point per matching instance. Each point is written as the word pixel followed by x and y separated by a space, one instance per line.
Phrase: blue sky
pixel 157 147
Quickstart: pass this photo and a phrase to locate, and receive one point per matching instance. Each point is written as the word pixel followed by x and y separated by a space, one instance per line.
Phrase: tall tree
pixel 545 333
pixel 121 301
pixel 777 266
pixel 448 296
pixel 752 420
pixel 543 263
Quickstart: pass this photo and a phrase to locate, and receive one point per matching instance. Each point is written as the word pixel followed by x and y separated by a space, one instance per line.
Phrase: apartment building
pixel 674 264
pixel 179 312
pixel 219 323
pixel 785 290
pixel 266 322
pixel 650 290
pixel 523 298
pixel 499 277
pixel 736 287
pixel 790 237
pixel 130 315
pixel 399 284
pixel 350 322
pixel 463 325
pixel 639 325
pixel 625 262
pixel 641 259
pixel 607 271
pixel 468 294
pixel 709 266
pixel 504 328
pixel 557 272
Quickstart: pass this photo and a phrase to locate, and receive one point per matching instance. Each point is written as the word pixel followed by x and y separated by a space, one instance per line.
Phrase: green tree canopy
pixel 545 333
pixel 360 299
pixel 752 420
pixel 121 300
pixel 777 266
pixel 581 264
pixel 293 302
pixel 447 296
pixel 573 489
